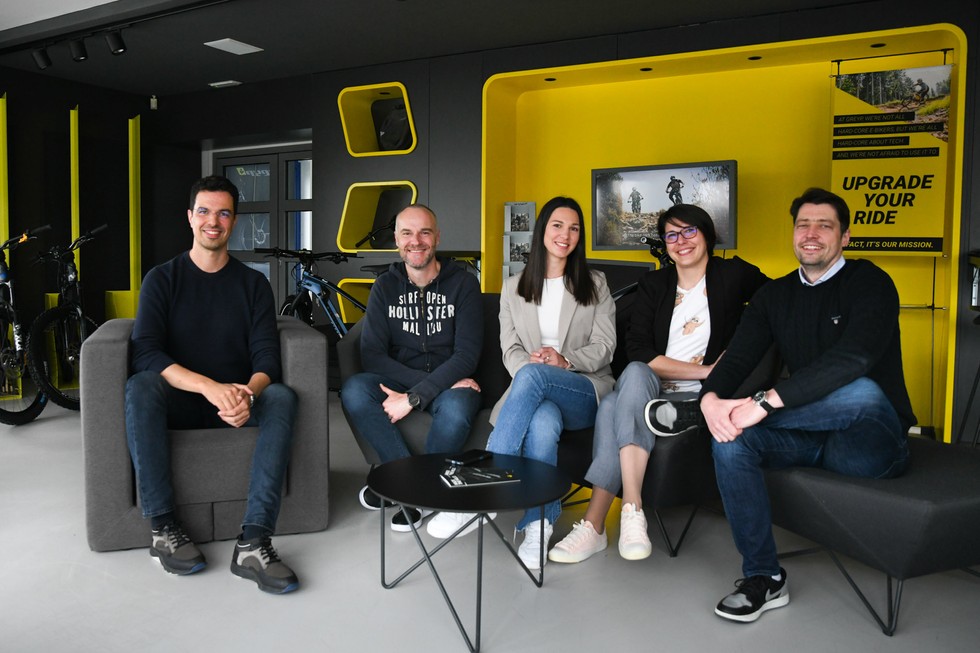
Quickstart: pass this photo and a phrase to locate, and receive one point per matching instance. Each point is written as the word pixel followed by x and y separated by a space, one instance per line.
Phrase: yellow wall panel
pixel 769 107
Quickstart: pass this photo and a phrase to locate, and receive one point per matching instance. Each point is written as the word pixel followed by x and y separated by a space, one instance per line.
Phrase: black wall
pixel 38 128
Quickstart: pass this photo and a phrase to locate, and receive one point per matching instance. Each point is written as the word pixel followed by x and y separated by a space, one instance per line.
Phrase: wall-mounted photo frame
pixel 628 201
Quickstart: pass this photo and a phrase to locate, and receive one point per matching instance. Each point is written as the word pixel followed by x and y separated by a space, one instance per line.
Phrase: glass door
pixel 275 208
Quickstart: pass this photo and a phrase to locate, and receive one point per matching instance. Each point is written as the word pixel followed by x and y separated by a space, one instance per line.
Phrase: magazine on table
pixel 467 476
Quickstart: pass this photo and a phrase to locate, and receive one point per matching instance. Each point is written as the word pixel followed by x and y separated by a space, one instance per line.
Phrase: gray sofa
pixel 923 522
pixel 210 466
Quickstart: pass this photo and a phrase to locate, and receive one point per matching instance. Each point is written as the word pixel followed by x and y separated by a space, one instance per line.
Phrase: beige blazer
pixel 587 335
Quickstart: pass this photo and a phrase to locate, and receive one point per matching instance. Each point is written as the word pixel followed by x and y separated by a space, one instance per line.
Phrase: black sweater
pixel 221 324
pixel 827 335
pixel 730 283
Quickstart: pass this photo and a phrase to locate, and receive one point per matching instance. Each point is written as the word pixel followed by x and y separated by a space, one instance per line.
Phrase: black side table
pixel 414 482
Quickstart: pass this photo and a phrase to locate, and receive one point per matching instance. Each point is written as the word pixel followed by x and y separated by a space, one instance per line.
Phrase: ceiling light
pixel 78 51
pixel 225 84
pixel 233 46
pixel 115 42
pixel 41 58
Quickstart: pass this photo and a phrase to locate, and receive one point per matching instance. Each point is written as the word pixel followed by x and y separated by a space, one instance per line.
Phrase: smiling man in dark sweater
pixel 205 354
pixel 843 408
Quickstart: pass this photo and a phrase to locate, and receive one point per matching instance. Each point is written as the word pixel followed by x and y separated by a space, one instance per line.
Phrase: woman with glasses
pixel 558 334
pixel 683 317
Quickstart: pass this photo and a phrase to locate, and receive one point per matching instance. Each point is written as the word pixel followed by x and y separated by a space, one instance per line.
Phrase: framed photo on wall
pixel 627 202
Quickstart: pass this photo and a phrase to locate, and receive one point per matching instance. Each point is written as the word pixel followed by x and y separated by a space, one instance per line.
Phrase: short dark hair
pixel 821 196
pixel 692 215
pixel 214 184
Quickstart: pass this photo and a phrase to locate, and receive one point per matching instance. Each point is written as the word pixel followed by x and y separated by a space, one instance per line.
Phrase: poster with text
pixel 889 147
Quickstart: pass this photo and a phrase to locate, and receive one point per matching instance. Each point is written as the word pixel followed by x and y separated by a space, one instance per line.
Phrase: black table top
pixel 415 481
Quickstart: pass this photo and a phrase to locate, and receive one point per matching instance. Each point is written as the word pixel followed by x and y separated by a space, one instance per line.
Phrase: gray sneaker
pixel 258 561
pixel 176 552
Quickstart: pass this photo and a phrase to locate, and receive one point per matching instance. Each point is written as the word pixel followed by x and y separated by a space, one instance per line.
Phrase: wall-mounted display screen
pixel 628 201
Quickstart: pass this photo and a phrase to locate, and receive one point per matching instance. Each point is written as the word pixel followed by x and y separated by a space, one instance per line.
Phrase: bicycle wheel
pixel 21 400
pixel 298 307
pixel 54 353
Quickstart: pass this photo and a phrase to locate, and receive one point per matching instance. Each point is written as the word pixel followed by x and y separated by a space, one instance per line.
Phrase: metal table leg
pixel 474 644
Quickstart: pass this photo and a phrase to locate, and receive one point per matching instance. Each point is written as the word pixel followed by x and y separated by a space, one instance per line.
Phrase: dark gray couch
pixel 923 522
pixel 210 466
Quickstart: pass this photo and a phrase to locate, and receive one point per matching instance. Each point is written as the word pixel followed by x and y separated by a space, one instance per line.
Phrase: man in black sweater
pixel 844 407
pixel 205 354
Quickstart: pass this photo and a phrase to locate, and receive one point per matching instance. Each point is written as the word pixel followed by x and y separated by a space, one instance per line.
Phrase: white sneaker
pixel 530 549
pixel 634 543
pixel 446 523
pixel 582 543
pixel 400 525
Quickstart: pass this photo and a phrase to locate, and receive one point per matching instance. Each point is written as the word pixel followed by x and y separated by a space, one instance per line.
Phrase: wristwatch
pixel 251 400
pixel 760 399
pixel 414 400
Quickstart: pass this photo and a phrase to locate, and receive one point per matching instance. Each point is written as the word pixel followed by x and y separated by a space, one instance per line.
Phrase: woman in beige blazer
pixel 558 334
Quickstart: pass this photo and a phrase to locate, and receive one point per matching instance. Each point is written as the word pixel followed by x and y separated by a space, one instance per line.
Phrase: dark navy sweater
pixel 827 335
pixel 221 324
pixel 427 340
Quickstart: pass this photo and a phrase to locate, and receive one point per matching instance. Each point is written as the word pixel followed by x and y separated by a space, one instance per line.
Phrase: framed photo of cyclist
pixel 627 202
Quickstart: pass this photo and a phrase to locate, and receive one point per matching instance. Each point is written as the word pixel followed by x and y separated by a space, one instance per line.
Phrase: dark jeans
pixel 153 406
pixel 852 431
pixel 452 413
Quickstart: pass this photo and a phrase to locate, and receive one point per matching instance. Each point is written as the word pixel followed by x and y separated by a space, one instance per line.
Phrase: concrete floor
pixel 57 595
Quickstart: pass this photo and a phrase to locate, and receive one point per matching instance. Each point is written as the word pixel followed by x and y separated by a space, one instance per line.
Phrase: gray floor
pixel 56 595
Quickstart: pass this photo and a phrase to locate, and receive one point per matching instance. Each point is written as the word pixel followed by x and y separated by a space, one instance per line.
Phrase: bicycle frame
pixel 318 289
pixel 7 290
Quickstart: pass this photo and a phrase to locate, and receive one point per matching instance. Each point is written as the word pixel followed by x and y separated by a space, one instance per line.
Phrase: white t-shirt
pixel 550 310
pixel 690 327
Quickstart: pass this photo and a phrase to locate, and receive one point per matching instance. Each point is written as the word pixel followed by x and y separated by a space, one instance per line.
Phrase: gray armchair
pixel 210 466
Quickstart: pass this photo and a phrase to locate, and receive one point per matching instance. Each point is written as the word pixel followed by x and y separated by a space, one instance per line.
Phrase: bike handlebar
pixel 56 252
pixel 305 255
pixel 87 236
pixel 29 234
pixel 658 249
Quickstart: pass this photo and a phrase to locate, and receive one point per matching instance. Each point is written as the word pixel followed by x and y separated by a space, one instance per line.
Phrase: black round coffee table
pixel 414 482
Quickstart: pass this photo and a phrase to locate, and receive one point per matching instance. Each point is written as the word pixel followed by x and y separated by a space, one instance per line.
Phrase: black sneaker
pixel 176 552
pixel 666 418
pixel 400 525
pixel 257 560
pixel 372 501
pixel 754 596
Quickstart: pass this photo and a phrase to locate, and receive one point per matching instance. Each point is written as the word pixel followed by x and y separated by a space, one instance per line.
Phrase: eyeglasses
pixel 687 232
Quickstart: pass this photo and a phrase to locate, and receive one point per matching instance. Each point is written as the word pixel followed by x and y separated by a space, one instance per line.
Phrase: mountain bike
pixel 21 400
pixel 55 343
pixel 312 289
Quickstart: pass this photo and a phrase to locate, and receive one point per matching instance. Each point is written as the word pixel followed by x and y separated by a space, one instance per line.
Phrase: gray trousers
pixel 620 422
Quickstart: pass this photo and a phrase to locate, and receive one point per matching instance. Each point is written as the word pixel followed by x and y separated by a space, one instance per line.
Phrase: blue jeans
pixel 153 406
pixel 620 422
pixel 852 431
pixel 452 413
pixel 543 401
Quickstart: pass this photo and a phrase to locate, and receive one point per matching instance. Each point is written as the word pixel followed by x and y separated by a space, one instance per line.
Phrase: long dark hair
pixel 578 280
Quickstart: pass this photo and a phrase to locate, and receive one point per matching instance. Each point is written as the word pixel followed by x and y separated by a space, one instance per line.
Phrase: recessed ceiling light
pixel 225 84
pixel 233 46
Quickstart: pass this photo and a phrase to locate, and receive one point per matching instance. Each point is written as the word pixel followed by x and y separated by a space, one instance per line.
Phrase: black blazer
pixel 730 284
